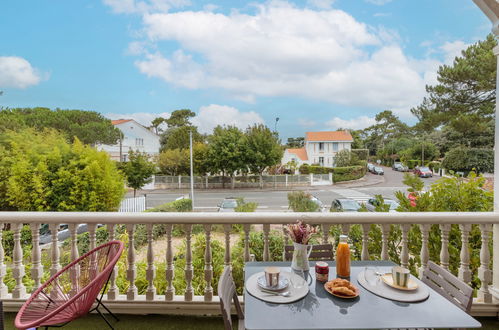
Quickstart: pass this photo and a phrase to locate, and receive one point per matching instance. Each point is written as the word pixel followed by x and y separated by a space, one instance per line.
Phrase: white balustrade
pixel 188 271
pixel 208 268
pixel 3 267
pixel 263 221
pixel 36 256
pixel 150 272
pixel 132 269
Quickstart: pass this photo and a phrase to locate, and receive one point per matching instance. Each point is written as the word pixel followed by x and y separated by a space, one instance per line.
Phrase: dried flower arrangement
pixel 300 233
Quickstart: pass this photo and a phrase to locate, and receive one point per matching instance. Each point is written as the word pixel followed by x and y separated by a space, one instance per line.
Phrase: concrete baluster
pixel 36 257
pixel 425 251
pixel 113 291
pixel 464 267
pixel 131 272
pixel 444 252
pixel 170 272
pixel 484 272
pixel 208 268
pixel 150 272
pixel 17 264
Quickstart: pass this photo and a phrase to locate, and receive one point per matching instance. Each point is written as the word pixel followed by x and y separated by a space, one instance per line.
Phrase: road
pixel 276 200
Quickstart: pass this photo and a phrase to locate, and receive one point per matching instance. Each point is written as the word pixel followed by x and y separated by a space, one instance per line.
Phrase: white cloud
pixel 143 118
pixel 209 117
pixel 282 50
pixel 452 49
pixel 382 14
pixel 321 4
pixel 16 72
pixel 379 2
pixel 136 6
pixel 354 123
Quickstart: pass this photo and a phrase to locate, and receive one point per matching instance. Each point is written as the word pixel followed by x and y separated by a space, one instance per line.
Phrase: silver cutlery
pixel 283 294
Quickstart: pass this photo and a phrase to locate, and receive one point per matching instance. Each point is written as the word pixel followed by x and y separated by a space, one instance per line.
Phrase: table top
pixel 320 310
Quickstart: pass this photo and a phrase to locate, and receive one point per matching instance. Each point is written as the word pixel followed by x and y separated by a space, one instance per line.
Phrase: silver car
pixel 378 170
pixel 227 205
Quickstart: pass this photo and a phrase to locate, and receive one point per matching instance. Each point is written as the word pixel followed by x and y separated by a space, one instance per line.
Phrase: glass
pixel 298 281
pixel 371 275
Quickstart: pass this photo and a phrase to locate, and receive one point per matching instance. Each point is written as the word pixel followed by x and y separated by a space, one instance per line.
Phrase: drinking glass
pixel 371 275
pixel 298 279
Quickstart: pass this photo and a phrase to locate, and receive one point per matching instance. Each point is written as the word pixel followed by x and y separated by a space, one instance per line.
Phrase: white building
pixel 135 137
pixel 320 148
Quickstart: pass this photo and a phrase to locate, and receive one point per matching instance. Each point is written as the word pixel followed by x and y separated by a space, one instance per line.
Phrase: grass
pixel 150 322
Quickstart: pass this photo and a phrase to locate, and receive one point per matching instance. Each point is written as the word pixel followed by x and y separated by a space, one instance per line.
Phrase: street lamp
pixel 275 125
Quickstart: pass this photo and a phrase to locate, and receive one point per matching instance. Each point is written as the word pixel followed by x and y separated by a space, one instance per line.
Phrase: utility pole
pixel 192 170
pixel 422 152
pixel 275 125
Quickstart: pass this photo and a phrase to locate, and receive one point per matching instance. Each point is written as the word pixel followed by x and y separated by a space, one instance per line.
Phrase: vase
pixel 301 253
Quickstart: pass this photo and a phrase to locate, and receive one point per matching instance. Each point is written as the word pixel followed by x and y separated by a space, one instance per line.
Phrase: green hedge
pixel 348 173
pixel 307 169
pixel 412 163
pixel 181 205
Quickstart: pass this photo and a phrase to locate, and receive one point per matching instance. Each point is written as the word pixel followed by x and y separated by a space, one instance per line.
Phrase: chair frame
pixel 109 268
pixel 227 281
pixel 319 252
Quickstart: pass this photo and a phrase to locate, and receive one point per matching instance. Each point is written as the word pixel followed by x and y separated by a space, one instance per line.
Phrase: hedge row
pixel 181 205
pixel 340 174
pixel 348 173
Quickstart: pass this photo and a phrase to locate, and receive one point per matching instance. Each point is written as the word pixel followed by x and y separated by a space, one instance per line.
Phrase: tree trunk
pixel 134 192
pixel 233 181
pixel 261 180
pixel 223 180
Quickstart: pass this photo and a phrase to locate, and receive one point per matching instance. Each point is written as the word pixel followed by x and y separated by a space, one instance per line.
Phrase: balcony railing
pixel 189 303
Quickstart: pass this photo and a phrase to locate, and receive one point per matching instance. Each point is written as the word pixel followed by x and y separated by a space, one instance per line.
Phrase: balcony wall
pixel 189 303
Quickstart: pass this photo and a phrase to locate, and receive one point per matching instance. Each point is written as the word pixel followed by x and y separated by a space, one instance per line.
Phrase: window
pixel 139 142
pixel 321 146
pixel 321 161
pixel 335 146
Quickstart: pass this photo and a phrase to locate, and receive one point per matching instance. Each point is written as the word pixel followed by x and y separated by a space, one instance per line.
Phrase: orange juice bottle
pixel 343 257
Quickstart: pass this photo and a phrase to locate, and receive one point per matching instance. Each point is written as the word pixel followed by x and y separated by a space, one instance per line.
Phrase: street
pixel 276 200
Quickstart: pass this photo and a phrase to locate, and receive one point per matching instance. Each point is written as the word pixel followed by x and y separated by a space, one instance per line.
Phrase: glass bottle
pixel 343 257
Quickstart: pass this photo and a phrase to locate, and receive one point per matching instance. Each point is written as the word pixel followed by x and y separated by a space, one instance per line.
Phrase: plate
pixel 283 283
pixel 388 279
pixel 357 292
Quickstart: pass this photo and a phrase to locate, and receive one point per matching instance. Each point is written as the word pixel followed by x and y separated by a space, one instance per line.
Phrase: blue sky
pixel 316 64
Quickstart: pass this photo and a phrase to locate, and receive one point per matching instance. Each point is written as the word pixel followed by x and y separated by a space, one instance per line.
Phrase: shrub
pixel 8 240
pixel 299 201
pixel 349 173
pixel 242 206
pixel 412 163
pixel 315 169
pixel 181 205
pixel 465 159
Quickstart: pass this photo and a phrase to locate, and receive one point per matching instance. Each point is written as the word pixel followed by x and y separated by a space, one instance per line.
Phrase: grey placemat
pixel 296 294
pixel 384 290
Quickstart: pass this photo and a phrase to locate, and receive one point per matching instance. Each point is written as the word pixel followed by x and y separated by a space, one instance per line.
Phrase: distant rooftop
pixel 120 121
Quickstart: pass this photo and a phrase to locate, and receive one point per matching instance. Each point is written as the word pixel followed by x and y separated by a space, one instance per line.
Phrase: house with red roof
pixel 135 137
pixel 320 148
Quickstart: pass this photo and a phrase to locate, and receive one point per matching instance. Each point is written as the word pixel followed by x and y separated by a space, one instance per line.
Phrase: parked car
pixel 227 205
pixel 373 202
pixel 344 205
pixel 378 170
pixel 319 203
pixel 423 172
pixel 370 167
pixel 63 232
pixel 399 167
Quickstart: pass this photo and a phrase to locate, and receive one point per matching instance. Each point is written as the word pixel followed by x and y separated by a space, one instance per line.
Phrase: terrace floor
pixel 149 322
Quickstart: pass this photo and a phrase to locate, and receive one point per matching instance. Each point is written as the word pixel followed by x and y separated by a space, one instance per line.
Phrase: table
pixel 320 310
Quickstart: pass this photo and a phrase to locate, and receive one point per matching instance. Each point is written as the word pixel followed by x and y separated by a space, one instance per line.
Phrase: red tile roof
pixel 328 136
pixel 120 121
pixel 300 152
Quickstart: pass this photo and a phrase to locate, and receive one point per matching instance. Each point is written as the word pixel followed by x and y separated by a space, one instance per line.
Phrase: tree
pixel 174 162
pixel 263 149
pixel 227 150
pixel 41 171
pixel 178 138
pixel 297 142
pixel 387 127
pixel 465 159
pixel 138 170
pixel 464 98
pixel 180 118
pixel 342 158
pixel 156 122
pixel 89 127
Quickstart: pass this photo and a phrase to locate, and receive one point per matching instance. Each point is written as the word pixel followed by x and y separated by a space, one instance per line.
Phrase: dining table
pixel 321 310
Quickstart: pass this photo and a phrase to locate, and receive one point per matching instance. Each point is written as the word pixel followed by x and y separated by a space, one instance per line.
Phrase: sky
pixel 314 64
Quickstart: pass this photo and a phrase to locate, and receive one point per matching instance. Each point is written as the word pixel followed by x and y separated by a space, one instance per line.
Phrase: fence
pixel 136 204
pixel 245 181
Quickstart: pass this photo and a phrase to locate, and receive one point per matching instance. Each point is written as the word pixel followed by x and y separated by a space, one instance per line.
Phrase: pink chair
pixel 71 292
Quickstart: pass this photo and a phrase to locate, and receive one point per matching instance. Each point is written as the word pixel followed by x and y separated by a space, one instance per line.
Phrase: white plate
pixel 283 283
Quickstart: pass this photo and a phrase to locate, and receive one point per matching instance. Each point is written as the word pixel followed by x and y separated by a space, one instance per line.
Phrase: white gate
pixel 321 179
pixel 136 204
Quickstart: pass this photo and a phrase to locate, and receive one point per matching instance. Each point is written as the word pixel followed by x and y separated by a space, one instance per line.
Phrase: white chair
pixel 227 292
